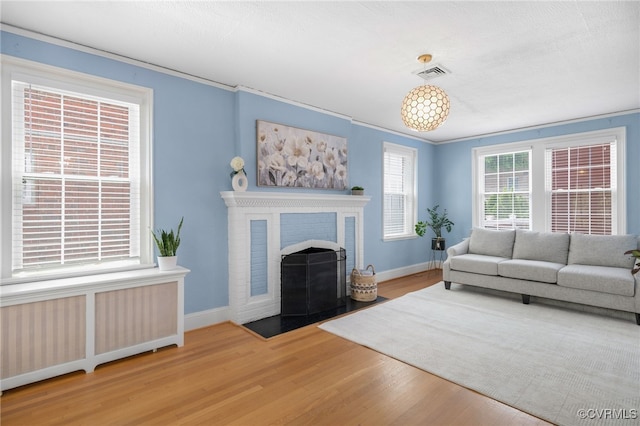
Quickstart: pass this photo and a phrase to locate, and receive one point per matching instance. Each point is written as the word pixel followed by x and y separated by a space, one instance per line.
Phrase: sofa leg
pixel 637 318
pixel 525 299
pixel 447 285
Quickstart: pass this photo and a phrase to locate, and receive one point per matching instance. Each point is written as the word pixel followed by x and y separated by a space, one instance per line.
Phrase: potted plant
pixel 636 254
pixel 357 190
pixel 436 222
pixel 167 243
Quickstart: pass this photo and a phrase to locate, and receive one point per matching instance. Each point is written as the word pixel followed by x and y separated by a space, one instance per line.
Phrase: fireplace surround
pixel 264 226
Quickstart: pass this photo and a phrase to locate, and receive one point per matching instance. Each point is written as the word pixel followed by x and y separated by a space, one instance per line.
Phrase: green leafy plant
pixel 357 188
pixel 167 242
pixel 436 222
pixel 636 254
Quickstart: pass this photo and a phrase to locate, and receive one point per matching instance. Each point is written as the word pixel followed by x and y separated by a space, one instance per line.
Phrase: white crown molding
pixel 543 126
pixel 109 55
pixel 394 132
pixel 278 98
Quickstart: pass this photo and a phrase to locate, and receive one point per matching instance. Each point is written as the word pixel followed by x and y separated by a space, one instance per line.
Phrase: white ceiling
pixel 513 64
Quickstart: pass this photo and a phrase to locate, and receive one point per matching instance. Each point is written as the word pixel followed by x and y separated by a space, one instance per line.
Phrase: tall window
pixel 399 206
pixel 78 184
pixel 560 184
pixel 506 191
pixel 581 181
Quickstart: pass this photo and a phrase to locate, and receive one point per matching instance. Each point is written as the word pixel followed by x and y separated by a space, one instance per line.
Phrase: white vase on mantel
pixel 167 263
pixel 239 182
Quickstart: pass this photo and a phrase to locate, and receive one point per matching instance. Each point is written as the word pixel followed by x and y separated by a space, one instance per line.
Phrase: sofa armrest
pixel 461 248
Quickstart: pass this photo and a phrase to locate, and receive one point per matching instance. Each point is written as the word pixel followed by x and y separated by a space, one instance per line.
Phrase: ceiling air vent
pixel 432 72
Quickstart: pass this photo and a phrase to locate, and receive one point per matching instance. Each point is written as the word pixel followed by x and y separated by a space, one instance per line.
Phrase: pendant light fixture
pixel 426 107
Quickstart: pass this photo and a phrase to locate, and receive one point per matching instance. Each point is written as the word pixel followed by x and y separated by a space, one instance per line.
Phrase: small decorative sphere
pixel 425 108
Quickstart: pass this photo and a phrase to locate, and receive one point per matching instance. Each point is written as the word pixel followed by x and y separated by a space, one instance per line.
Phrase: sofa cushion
pixel 545 246
pixel 531 270
pixel 476 263
pixel 491 243
pixel 602 250
pixel 603 279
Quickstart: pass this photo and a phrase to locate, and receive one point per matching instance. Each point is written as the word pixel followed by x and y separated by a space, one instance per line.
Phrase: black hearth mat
pixel 273 326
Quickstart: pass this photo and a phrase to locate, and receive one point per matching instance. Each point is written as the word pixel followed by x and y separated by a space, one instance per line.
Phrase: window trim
pixel 540 216
pixel 480 188
pixel 37 73
pixel 413 211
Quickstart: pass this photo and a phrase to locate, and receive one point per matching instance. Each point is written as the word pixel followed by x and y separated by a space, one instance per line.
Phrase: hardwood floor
pixel 225 375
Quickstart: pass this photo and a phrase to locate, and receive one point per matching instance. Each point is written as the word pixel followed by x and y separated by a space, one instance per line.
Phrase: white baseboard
pixel 206 318
pixel 401 272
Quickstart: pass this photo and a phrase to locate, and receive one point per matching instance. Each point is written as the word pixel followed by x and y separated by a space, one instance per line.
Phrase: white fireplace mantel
pixel 267 207
pixel 292 200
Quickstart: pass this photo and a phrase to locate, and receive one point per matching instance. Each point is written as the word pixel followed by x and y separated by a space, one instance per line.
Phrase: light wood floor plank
pixel 225 375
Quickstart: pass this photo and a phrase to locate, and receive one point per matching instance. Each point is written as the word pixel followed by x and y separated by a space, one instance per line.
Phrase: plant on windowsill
pixel 636 254
pixel 167 243
pixel 357 190
pixel 436 222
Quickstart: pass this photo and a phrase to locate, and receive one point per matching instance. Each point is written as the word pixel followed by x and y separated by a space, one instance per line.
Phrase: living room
pixel 198 125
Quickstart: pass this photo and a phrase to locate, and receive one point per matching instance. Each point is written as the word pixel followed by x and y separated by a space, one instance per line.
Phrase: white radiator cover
pixel 56 327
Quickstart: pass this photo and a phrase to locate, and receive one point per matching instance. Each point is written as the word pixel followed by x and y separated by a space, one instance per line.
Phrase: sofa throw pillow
pixel 491 243
pixel 545 246
pixel 602 250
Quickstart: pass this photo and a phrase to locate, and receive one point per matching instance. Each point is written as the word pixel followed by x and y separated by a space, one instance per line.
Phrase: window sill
pixel 400 237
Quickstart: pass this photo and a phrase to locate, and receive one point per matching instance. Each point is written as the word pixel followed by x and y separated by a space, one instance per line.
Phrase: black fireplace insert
pixel 313 280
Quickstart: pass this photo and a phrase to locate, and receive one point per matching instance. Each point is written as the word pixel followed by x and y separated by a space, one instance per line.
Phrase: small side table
pixel 437 257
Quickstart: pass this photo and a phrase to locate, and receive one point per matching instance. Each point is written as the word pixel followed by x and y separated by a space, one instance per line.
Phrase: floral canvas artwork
pixel 292 157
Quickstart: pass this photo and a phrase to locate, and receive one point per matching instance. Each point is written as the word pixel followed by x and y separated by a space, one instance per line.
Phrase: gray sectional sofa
pixel 586 269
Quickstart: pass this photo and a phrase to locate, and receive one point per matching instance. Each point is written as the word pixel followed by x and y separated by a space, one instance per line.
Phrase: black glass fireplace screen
pixel 313 280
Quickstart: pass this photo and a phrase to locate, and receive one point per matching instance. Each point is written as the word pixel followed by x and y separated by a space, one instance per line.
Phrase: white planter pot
pixel 166 263
pixel 239 182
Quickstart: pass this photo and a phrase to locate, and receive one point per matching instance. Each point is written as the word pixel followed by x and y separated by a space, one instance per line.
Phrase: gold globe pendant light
pixel 426 107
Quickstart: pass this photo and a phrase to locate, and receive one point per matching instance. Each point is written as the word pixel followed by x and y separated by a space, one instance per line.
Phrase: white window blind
pixel 76 178
pixel 581 181
pixel 506 191
pixel 399 191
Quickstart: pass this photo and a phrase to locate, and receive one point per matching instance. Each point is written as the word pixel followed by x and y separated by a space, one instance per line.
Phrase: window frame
pixel 481 189
pixel 411 211
pixel 59 78
pixel 540 196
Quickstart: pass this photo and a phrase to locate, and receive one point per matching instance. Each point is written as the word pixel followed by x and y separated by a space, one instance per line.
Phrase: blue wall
pixel 198 128
pixel 365 155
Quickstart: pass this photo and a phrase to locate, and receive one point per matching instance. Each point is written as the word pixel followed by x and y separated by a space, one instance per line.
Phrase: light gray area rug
pixel 565 366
